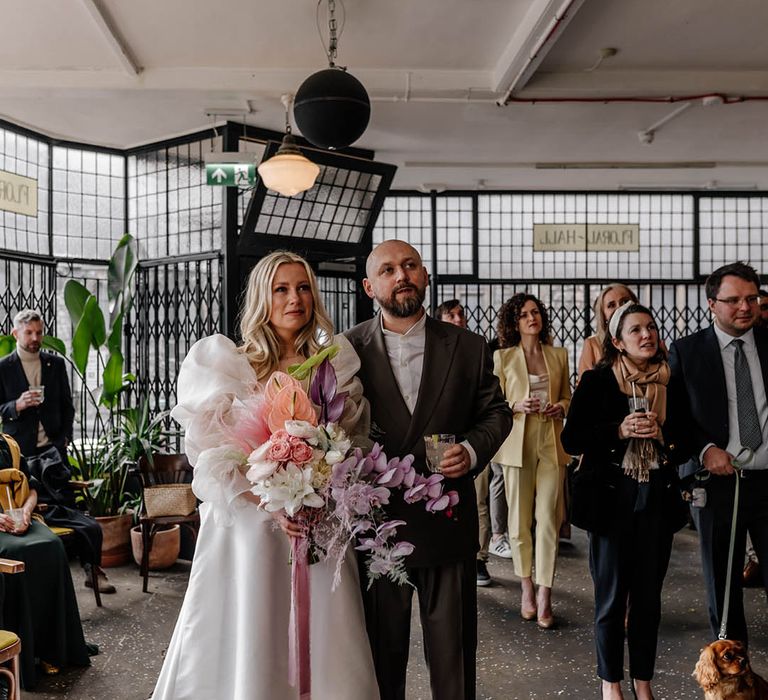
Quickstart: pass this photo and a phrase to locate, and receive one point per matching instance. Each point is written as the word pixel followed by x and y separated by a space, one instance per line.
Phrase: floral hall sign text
pixel 18 194
pixel 586 237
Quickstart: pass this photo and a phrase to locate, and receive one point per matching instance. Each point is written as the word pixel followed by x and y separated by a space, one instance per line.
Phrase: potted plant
pixel 99 458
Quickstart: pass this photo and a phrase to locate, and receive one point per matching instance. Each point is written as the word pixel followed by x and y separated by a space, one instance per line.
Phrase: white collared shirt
pixel 727 353
pixel 406 357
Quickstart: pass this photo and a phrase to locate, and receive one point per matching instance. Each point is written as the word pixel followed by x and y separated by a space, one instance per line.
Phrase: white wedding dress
pixel 231 637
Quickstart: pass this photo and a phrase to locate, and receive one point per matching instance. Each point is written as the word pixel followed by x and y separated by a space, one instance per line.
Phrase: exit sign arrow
pixel 230 174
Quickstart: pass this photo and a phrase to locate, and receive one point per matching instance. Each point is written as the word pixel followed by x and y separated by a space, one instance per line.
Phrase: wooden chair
pixel 10 644
pixel 164 469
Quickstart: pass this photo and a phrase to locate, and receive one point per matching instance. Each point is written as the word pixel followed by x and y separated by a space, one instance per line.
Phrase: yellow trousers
pixel 535 492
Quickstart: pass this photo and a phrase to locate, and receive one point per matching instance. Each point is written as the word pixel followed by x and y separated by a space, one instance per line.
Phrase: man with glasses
pixel 723 371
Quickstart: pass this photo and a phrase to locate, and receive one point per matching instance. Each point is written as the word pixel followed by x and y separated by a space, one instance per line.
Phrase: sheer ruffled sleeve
pixel 212 376
pixel 356 420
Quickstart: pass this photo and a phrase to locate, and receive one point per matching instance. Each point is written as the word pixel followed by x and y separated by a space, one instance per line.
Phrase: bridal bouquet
pixel 308 468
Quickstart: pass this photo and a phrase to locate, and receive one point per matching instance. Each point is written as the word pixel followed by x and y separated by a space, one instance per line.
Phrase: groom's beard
pixel 406 308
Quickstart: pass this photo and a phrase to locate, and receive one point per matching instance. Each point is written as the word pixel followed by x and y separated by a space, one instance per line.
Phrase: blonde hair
pixel 259 341
pixel 601 322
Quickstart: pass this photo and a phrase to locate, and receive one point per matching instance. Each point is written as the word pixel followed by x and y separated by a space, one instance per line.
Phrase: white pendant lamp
pixel 288 172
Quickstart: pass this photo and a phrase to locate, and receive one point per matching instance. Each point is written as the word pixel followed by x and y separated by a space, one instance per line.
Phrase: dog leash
pixel 744 456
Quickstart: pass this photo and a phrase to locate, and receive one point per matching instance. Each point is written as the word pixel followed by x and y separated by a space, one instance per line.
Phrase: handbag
pixel 169 499
pixel 48 469
pixel 593 496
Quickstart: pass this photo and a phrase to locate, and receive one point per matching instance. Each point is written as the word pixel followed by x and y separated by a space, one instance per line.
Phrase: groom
pixel 422 376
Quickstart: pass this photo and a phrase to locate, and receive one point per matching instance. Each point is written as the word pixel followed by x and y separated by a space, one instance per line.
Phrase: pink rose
pixel 301 453
pixel 294 440
pixel 280 435
pixel 279 451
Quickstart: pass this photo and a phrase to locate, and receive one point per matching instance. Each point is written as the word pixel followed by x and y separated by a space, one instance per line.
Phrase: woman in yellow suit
pixel 534 377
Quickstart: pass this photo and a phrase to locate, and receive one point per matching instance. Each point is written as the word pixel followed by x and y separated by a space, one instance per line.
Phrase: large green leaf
pixel 75 297
pixel 51 342
pixel 7 345
pixel 115 340
pixel 87 332
pixel 112 380
pixel 122 266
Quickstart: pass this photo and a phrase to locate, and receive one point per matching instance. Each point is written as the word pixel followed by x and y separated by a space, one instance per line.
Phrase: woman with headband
pixel 608 300
pixel 621 420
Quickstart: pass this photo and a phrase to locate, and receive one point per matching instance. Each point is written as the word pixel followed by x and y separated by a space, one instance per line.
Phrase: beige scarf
pixel 652 384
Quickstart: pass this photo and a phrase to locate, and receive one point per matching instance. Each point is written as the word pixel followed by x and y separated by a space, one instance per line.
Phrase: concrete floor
pixel 516 660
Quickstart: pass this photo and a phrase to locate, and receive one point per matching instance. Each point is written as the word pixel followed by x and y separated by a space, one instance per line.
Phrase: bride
pixel 231 637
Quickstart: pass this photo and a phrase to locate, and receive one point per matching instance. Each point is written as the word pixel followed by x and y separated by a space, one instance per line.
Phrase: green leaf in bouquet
pixel 303 370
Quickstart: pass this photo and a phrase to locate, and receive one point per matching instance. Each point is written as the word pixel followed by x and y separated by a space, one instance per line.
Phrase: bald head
pixel 388 251
pixel 396 279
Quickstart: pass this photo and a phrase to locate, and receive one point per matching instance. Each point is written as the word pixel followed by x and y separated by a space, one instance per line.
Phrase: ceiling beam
pixel 541 27
pixel 110 32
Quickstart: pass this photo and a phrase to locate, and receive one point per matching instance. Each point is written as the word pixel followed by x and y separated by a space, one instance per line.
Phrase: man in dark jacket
pixel 37 411
pixel 423 377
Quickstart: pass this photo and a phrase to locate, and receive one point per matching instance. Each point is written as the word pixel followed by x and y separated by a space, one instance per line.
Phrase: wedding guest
pixel 39 606
pixel 633 503
pixel 535 379
pixel 489 483
pixel 423 377
pixel 608 300
pixel 36 409
pixel 724 371
pixel 231 637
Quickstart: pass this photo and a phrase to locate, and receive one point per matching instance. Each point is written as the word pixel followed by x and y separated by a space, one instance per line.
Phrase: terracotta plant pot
pixel 116 547
pixel 165 547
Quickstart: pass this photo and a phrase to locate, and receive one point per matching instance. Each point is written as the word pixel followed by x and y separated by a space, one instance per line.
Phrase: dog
pixel 724 673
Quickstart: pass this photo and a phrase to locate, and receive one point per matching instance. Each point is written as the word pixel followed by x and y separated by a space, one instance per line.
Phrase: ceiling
pixel 121 73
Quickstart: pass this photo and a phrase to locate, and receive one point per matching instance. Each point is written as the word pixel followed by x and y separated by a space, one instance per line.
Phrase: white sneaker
pixel 500 547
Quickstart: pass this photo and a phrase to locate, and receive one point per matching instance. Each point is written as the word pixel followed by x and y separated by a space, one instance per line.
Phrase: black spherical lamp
pixel 332 108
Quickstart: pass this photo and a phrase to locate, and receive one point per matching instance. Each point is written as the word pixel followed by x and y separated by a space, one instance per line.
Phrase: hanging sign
pixel 586 237
pixel 18 194
pixel 230 174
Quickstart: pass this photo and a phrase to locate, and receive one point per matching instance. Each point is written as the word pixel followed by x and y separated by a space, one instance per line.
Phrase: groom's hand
pixel 456 462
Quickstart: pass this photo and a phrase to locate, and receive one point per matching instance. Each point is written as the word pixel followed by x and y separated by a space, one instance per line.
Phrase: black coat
pixel 697 366
pixel 56 413
pixel 597 409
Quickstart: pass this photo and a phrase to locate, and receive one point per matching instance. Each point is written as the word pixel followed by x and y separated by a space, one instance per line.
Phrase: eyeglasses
pixel 735 302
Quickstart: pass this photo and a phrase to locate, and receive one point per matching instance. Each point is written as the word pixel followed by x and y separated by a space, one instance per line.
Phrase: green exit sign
pixel 230 174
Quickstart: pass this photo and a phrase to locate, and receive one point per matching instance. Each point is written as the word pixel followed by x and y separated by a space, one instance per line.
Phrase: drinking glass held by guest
pixel 535 379
pixel 608 300
pixel 231 637
pixel 632 502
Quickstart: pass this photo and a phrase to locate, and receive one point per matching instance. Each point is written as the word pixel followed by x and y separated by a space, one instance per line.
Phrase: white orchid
pixel 289 489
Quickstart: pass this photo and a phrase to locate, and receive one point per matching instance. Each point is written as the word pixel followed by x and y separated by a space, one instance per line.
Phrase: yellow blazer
pixel 509 366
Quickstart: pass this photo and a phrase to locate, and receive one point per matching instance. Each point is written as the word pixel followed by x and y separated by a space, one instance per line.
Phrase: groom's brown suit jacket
pixel 458 394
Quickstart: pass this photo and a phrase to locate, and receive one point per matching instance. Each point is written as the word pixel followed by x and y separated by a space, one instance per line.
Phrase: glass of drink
pixel 638 404
pixel 541 396
pixel 39 391
pixel 435 446
pixel 17 515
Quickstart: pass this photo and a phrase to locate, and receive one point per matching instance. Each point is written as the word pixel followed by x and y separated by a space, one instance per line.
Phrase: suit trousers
pixel 714 525
pixel 628 567
pixel 448 611
pixel 491 506
pixel 535 491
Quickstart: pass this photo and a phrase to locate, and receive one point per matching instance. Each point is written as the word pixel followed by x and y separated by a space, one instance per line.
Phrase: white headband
pixel 613 324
